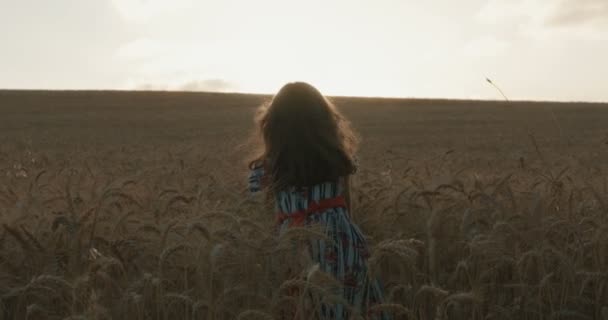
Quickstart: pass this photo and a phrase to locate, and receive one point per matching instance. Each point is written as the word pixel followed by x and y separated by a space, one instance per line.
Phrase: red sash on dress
pixel 299 217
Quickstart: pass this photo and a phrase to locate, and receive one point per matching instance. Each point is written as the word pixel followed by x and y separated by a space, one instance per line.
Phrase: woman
pixel 306 160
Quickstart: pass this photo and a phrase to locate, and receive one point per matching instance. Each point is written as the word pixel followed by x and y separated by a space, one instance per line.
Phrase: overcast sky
pixel 533 49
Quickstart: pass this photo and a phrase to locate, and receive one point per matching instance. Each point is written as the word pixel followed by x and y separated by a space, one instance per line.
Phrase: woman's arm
pixel 256 179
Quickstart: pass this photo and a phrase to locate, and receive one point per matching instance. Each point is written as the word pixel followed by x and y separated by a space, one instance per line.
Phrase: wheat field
pixel 132 205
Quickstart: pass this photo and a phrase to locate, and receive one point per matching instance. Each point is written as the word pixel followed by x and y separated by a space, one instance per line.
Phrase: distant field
pixel 130 205
pixel 495 132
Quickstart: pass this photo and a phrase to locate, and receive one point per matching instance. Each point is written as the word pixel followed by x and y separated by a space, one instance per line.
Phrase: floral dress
pixel 344 258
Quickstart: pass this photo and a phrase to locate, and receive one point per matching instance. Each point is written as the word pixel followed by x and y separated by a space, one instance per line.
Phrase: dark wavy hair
pixel 305 139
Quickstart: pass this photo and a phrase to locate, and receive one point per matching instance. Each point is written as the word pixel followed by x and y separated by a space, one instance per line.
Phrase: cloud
pixel 579 12
pixel 141 48
pixel 548 20
pixel 212 85
pixel 217 85
pixel 544 12
pixel 513 11
pixel 141 11
pixel 148 87
pixel 60 44
pixel 485 46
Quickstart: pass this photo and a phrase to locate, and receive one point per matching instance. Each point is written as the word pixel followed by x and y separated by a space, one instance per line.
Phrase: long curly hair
pixel 305 140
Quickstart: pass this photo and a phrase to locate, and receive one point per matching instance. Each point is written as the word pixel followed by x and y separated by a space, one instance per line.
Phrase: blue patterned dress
pixel 345 259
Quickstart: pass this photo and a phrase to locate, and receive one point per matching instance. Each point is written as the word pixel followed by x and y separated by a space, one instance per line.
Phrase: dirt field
pixel 130 205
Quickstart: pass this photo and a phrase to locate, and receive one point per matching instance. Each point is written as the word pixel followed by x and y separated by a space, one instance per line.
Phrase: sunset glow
pixel 535 49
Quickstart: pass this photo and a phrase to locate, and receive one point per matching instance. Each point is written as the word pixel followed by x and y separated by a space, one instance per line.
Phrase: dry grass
pixel 115 213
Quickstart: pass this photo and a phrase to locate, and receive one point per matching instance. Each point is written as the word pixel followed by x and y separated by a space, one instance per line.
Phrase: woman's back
pixel 344 256
pixel 296 206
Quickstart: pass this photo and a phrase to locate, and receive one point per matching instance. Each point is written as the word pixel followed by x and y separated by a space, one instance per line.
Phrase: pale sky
pixel 533 49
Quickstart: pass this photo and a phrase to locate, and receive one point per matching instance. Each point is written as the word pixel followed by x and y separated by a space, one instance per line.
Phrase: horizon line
pixel 328 95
